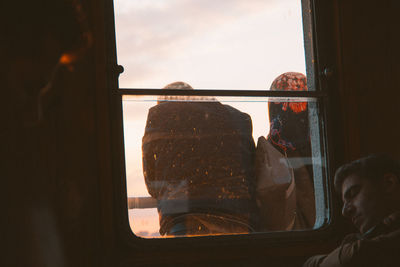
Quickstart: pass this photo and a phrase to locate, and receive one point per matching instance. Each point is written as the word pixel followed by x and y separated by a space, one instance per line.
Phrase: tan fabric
pixel 377 249
pixel 275 193
pixel 305 198
pixel 285 196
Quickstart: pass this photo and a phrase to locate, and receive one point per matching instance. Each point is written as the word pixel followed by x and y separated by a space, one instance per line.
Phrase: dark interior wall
pixel 57 174
pixel 49 166
pixel 364 107
pixel 50 170
pixel 369 77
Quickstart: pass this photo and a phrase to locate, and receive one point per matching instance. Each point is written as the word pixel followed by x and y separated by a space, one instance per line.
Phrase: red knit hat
pixel 291 81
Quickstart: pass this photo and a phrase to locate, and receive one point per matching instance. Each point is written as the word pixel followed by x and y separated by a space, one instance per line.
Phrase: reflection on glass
pixel 194 169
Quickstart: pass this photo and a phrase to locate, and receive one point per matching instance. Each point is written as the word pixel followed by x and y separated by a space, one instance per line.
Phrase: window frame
pixel 324 83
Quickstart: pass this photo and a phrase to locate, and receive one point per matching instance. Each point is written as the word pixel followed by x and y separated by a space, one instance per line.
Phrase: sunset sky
pixel 224 44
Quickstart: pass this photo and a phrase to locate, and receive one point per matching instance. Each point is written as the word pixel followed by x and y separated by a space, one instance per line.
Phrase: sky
pixel 224 44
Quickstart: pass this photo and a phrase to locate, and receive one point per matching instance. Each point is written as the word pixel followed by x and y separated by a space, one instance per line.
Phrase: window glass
pixel 209 164
pixel 225 44
pixel 222 165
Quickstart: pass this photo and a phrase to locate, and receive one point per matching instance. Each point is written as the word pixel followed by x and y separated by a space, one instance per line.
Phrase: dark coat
pixel 198 159
pixel 380 247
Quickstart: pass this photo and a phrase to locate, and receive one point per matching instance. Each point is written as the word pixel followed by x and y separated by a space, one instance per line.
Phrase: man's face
pixel 363 202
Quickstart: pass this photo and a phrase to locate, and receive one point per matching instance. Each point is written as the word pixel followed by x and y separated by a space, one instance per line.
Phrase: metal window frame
pixel 315 58
pixel 219 92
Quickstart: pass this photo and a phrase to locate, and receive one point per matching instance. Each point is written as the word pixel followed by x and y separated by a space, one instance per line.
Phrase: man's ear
pixel 391 182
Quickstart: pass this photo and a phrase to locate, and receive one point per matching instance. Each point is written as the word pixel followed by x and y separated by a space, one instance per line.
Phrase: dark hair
pixel 372 167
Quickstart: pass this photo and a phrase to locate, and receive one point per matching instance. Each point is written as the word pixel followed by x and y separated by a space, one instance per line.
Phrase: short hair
pixel 181 98
pixel 178 85
pixel 372 167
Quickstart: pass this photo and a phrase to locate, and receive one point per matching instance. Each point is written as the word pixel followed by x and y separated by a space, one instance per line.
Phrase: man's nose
pixel 347 210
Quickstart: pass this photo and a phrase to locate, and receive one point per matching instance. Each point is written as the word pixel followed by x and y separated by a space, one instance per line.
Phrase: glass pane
pixel 225 44
pixel 223 165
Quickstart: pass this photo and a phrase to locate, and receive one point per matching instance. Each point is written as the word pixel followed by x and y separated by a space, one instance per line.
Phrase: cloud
pixel 158 31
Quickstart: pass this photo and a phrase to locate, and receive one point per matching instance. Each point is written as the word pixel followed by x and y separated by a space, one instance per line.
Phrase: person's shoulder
pixel 233 110
pixel 350 238
pixel 390 228
pixel 266 147
pixel 168 107
pixel 262 141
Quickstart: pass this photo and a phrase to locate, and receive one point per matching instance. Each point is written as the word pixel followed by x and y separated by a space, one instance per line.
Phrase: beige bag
pixel 275 192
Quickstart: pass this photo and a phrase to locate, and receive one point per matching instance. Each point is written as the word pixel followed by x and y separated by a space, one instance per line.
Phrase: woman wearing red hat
pixel 285 193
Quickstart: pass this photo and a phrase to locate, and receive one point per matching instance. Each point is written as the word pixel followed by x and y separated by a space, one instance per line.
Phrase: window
pixel 222 132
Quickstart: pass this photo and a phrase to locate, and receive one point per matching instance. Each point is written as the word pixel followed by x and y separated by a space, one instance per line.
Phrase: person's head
pixel 289 128
pixel 181 86
pixel 370 190
pixel 174 86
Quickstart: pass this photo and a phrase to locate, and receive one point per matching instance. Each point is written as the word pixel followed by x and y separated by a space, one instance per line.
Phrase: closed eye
pixel 352 192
